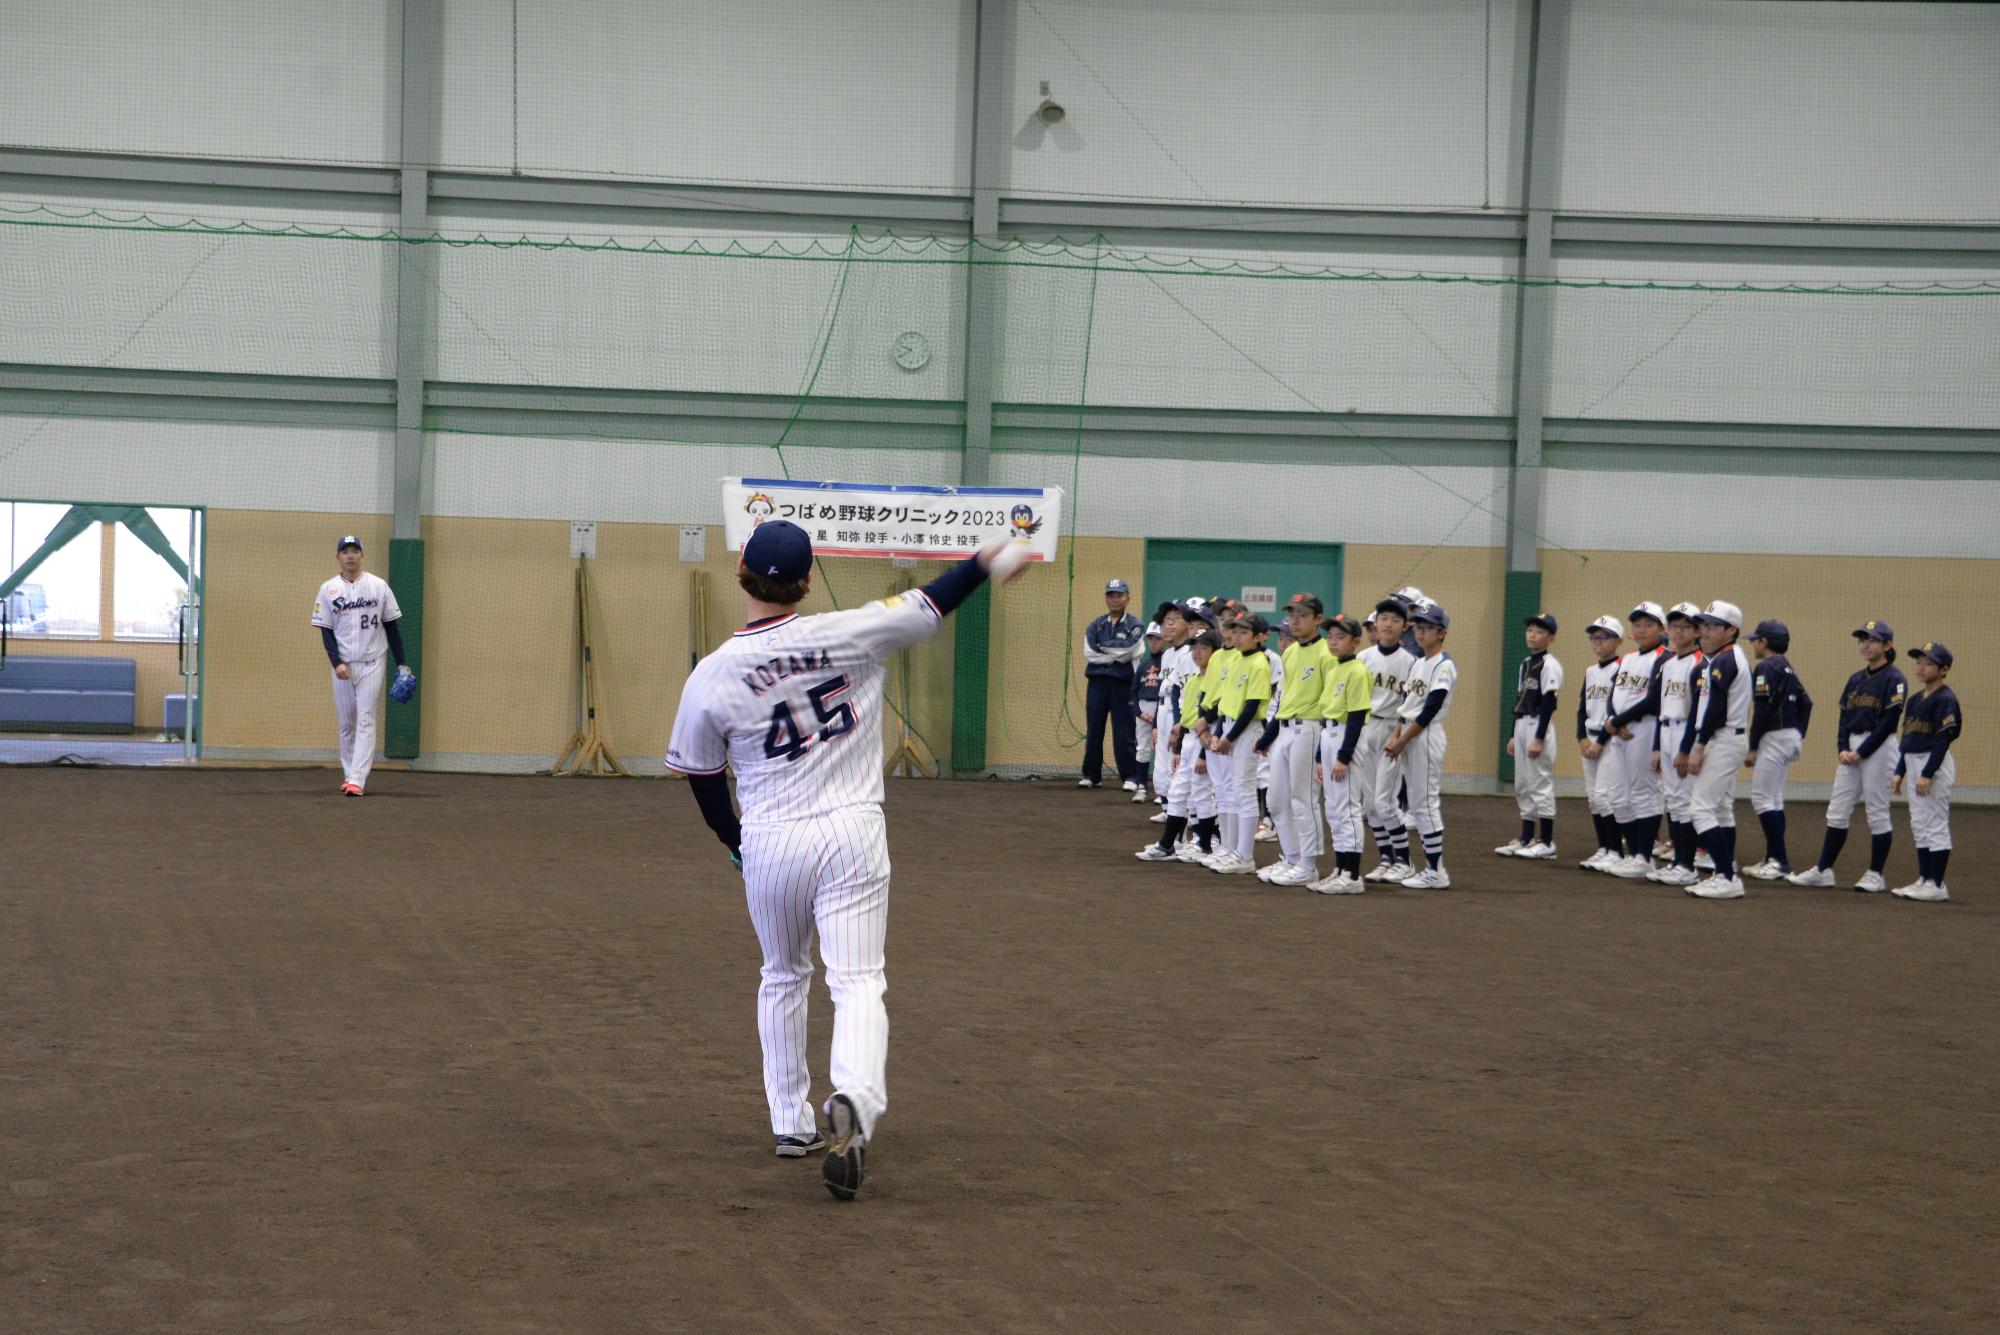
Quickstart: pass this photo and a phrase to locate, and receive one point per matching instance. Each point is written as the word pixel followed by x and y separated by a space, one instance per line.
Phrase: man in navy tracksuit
pixel 1111 645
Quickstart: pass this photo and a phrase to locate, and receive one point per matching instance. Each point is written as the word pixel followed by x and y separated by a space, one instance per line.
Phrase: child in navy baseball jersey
pixel 1533 749
pixel 1931 723
pixel 1871 710
pixel 1780 711
pixel 1676 685
pixel 1715 746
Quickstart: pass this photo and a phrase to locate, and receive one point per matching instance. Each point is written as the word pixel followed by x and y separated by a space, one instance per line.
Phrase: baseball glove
pixel 404 688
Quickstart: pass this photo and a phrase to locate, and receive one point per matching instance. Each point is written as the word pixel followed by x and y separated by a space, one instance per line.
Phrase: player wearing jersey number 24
pixel 792 704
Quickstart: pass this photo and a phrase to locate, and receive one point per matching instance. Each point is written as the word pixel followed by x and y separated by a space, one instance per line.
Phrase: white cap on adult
pixel 1728 614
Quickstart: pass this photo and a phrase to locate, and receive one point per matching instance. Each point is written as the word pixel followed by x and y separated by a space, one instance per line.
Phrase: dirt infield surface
pixel 480 1054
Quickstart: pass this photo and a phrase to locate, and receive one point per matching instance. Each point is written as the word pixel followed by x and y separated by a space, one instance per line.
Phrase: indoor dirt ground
pixel 480 1053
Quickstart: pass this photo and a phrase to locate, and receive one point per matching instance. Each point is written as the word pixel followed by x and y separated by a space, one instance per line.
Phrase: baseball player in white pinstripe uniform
pixel 792 705
pixel 356 615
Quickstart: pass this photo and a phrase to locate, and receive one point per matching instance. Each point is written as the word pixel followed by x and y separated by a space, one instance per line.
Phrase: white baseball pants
pixel 828 875
pixel 1423 767
pixel 1534 776
pixel 1930 815
pixel 1294 794
pixel 1375 775
pixel 1343 809
pixel 1236 795
pixel 1190 794
pixel 1867 783
pixel 1143 746
pixel 1634 788
pixel 1776 751
pixel 1715 785
pixel 1596 784
pixel 1677 792
pixel 356 702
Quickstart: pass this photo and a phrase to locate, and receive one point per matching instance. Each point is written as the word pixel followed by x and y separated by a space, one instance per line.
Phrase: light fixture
pixel 1050 112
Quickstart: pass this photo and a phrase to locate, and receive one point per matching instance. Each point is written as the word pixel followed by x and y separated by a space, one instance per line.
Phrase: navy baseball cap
pixel 1545 620
pixel 1771 630
pixel 1118 586
pixel 1875 630
pixel 778 549
pixel 1430 614
pixel 349 541
pixel 1936 652
pixel 1394 604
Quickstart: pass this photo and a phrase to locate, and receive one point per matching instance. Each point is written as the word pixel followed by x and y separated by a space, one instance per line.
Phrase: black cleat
pixel 842 1168
pixel 798 1147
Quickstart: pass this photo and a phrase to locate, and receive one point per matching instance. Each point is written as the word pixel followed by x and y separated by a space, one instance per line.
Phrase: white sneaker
pixel 1767 870
pixel 1633 868
pixel 1401 872
pixel 1159 801
pixel 1871 883
pixel 1381 871
pixel 1235 866
pixel 1703 862
pixel 1925 892
pixel 1663 851
pixel 1538 852
pixel 1292 874
pixel 1086 783
pixel 1511 849
pixel 1597 861
pixel 1267 872
pixel 1340 883
pixel 1676 875
pixel 1821 876
pixel 1132 786
pixel 1158 818
pixel 1267 833
pixel 1430 878
pixel 1154 853
pixel 1191 853
pixel 1718 887
pixel 1139 794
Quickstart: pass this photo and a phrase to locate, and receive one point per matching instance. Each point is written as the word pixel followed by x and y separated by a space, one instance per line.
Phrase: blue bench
pixel 174 714
pixel 43 694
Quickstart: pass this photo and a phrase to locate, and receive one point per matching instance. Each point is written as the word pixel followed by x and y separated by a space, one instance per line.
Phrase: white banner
pixel 925 523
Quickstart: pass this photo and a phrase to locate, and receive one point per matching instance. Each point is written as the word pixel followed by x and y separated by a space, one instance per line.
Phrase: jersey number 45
pixel 784 737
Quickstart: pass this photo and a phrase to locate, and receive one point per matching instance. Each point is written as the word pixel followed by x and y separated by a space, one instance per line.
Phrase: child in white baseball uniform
pixel 1780 711
pixel 1533 746
pixel 1267 827
pixel 1593 707
pixel 792 705
pixel 1676 684
pixel 1630 736
pixel 1717 744
pixel 356 614
pixel 1420 741
pixel 1931 723
pixel 1871 710
pixel 1190 792
pixel 1376 776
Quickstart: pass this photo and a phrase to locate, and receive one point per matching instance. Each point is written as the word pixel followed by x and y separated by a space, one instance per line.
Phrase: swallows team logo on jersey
pixel 760 507
pixel 1022 520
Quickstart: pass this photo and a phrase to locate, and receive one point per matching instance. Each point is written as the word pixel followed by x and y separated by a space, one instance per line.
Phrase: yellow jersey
pixel 1306 667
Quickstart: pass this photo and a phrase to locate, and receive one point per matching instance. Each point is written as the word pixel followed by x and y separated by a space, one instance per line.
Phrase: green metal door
pixel 1264 575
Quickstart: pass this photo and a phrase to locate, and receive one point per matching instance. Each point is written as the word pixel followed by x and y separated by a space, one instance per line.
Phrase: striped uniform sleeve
pixel 699 744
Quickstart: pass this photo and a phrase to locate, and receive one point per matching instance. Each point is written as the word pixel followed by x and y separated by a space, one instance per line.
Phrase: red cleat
pixel 350 789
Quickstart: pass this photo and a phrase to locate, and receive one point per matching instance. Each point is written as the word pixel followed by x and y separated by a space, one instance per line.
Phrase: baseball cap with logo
pixel 1682 612
pixel 1875 630
pixel 1430 614
pixel 1936 652
pixel 1545 620
pixel 1153 630
pixel 778 549
pixel 1257 624
pixel 1609 625
pixel 1769 629
pixel 1652 611
pixel 1117 586
pixel 1721 614
pixel 349 541
pixel 1346 625
pixel 1308 601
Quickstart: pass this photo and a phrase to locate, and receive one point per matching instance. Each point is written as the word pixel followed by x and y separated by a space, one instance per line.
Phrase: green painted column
pixel 1524 599
pixel 970 663
pixel 406 579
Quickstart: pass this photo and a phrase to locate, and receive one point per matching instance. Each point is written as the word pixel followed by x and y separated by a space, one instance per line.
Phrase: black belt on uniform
pixel 1296 722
